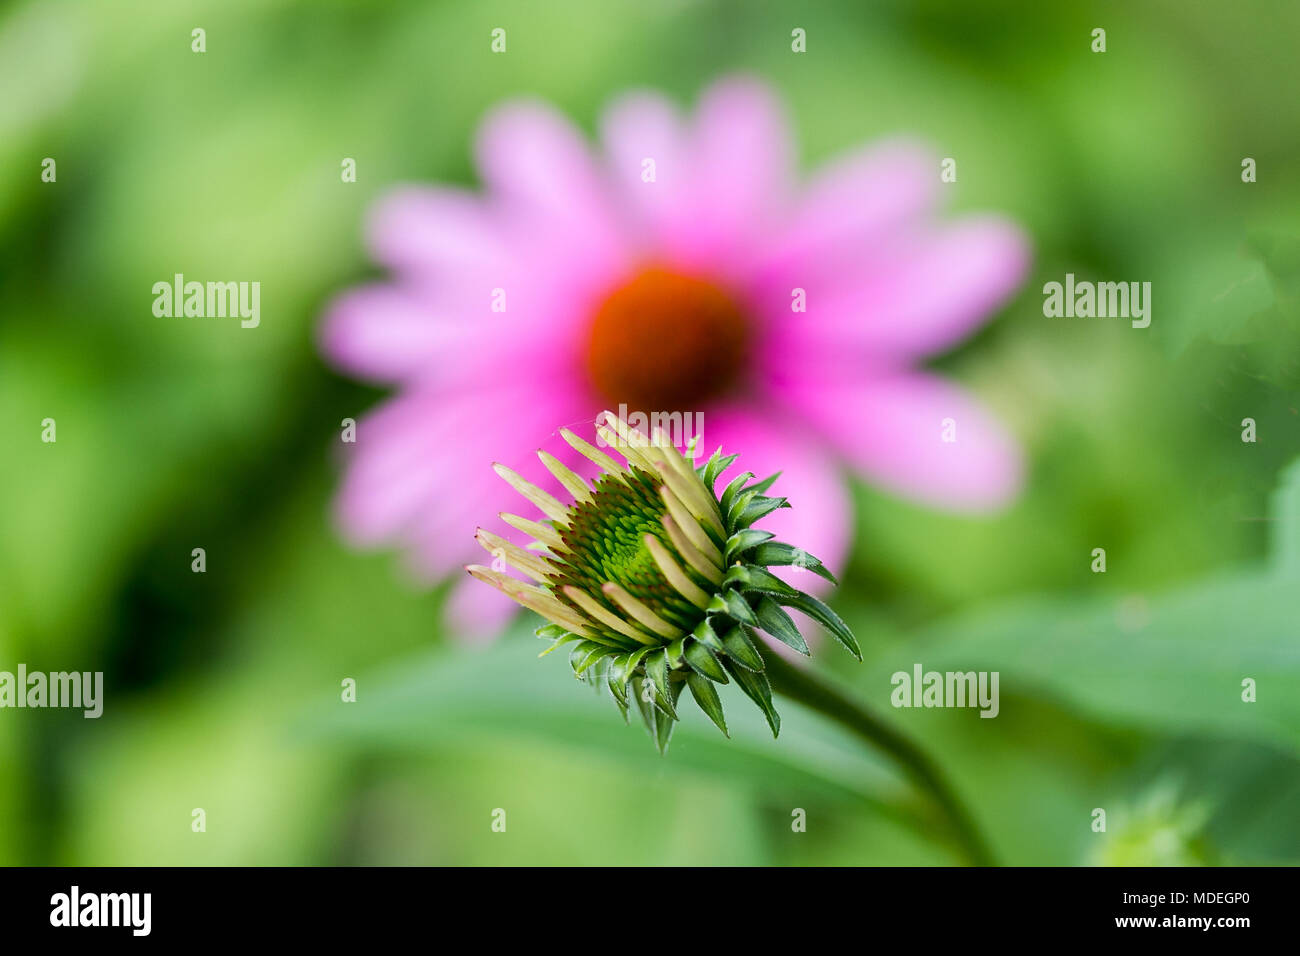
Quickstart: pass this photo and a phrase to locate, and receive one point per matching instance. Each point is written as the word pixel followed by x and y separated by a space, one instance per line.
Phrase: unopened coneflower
pixel 654 582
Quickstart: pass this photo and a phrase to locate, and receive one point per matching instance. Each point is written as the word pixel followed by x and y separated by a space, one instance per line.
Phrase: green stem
pixel 802 685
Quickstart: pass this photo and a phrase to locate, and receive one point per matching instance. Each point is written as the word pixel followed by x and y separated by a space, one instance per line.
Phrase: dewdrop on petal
pixel 655 583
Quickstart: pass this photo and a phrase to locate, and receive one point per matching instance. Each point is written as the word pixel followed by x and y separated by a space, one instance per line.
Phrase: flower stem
pixel 805 687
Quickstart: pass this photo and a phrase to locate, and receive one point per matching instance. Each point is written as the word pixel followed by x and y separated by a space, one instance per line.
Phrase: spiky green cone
pixel 656 583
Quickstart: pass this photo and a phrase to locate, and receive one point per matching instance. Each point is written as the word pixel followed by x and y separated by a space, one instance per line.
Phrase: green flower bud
pixel 655 583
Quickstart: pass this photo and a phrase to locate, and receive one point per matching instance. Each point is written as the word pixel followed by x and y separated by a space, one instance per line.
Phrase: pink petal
pixel 855 202
pixel 893 431
pixel 393 465
pixel 433 229
pixel 466 494
pixel 740 162
pixel 384 333
pixel 820 517
pixel 539 169
pixel 922 296
pixel 644 126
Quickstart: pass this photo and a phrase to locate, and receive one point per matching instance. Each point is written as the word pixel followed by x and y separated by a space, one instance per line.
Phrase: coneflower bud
pixel 654 582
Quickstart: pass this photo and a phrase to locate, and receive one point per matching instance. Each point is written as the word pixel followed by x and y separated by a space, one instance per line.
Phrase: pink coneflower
pixel 682 271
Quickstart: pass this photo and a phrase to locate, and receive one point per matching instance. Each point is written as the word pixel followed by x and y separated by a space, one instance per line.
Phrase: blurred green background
pixel 1119 690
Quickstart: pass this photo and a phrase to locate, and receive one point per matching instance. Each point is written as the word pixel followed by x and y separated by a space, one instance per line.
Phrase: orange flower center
pixel 666 342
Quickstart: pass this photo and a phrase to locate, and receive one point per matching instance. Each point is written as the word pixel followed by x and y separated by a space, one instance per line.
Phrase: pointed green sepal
pixel 705 663
pixel 730 603
pixel 742 541
pixel 780 625
pixel 741 649
pixel 750 577
pixel 777 554
pixel 758 508
pixel 715 466
pixel 656 667
pixel 706 695
pixel 734 487
pixel 566 639
pixel 664 724
pixel 757 689
pixel 827 618
pixel 706 635
pixel 766 483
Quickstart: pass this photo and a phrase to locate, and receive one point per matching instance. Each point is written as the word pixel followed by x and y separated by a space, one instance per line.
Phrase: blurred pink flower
pixel 667 275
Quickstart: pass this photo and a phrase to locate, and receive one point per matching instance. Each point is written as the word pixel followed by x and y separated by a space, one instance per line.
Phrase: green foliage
pixel 223 687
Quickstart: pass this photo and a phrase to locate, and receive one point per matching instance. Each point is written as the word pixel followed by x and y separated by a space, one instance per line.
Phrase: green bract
pixel 655 582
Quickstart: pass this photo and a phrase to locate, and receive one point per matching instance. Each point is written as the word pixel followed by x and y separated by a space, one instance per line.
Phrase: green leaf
pixel 706 696
pixel 827 618
pixel 1175 662
pixel 704 662
pixel 779 624
pixel 444 699
pixel 778 554
pixel 757 689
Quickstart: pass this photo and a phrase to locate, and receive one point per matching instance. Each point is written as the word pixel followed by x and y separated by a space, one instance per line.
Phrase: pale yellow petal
pixel 535 599
pixel 544 533
pixel 692 554
pixel 690 527
pixel 603 615
pixel 572 482
pixel 607 463
pixel 633 606
pixel 674 573
pixel 535 566
pixel 548 503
